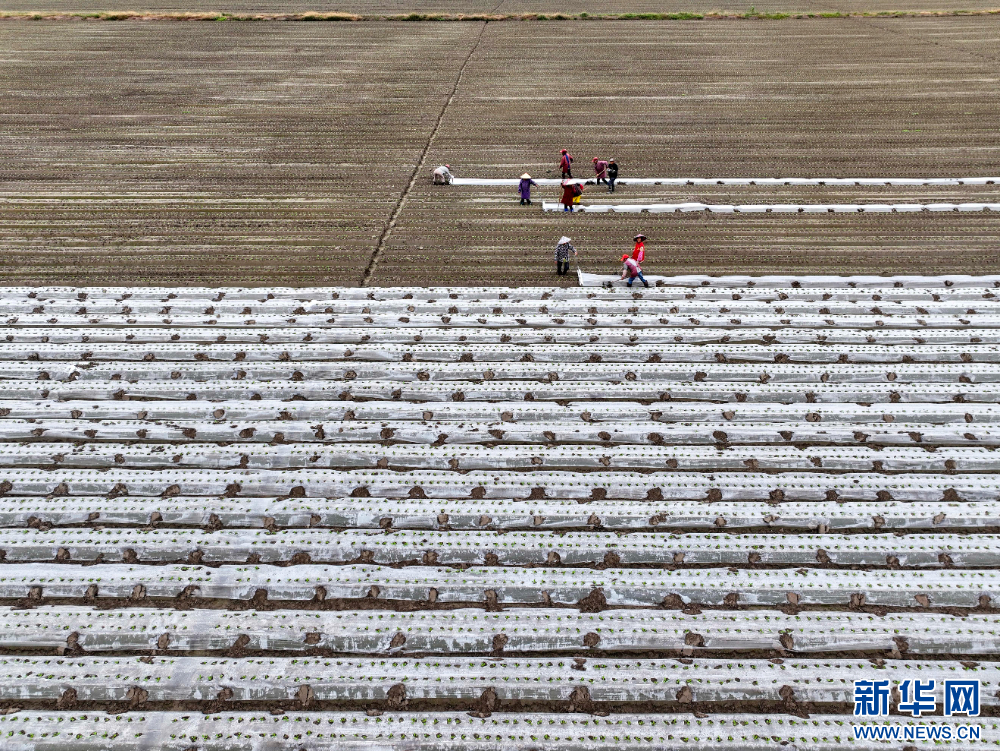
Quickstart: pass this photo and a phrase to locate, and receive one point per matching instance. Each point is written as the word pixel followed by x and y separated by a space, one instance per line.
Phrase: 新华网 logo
pixel 916 697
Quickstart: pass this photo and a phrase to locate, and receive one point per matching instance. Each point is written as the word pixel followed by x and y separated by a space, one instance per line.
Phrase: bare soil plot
pixel 183 153
pixel 276 153
pixel 820 98
pixel 901 97
pixel 485 237
pixel 965 37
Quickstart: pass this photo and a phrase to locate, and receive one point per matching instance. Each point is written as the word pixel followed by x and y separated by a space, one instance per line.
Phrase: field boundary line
pixel 387 231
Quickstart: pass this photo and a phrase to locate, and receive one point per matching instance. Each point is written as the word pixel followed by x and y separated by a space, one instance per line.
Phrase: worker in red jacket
pixel 639 251
pixel 601 168
pixel 570 191
pixel 566 164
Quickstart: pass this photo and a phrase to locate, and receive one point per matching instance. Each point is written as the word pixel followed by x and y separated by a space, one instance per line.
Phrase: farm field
pixel 182 153
pixel 498 238
pixel 494 518
pixel 300 452
pixel 801 100
pixel 166 153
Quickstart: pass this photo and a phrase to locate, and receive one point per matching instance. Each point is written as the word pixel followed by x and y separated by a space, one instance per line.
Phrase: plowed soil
pixel 821 98
pixel 376 8
pixel 241 153
pixel 179 153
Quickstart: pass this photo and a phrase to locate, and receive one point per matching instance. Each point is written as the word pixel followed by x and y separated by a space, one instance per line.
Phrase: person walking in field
pixel 442 175
pixel 631 270
pixel 639 251
pixel 601 168
pixel 524 188
pixel 563 248
pixel 612 174
pixel 566 164
pixel 570 191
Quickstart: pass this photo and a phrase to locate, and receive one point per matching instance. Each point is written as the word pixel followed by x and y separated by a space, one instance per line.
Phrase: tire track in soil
pixel 387 230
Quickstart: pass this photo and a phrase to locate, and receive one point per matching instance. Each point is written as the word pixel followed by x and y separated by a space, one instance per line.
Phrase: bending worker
pixel 442 175
pixel 631 270
pixel 570 192
pixel 601 169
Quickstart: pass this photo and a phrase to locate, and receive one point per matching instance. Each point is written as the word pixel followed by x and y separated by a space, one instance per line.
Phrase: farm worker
pixel 612 174
pixel 639 251
pixel 563 249
pixel 631 269
pixel 601 168
pixel 442 175
pixel 570 190
pixel 566 164
pixel 524 188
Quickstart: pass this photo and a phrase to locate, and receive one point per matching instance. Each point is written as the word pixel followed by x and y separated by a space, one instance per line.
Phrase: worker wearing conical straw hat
pixel 524 188
pixel 563 249
pixel 639 251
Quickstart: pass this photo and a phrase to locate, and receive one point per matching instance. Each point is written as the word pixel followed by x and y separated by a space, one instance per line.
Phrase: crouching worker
pixel 631 270
pixel 563 249
pixel 442 175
